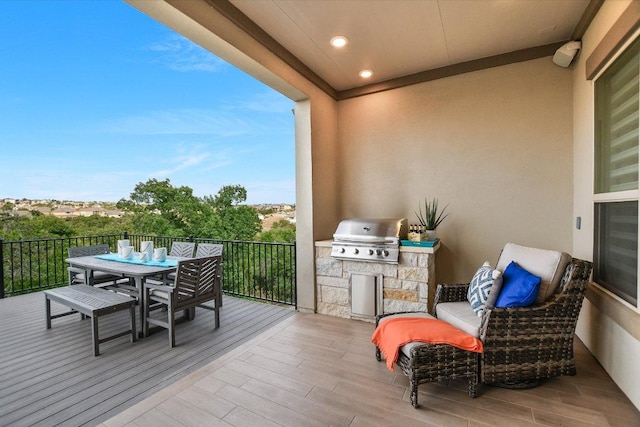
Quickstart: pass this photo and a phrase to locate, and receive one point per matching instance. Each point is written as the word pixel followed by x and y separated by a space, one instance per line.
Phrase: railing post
pixel 126 235
pixel 1 269
pixel 190 238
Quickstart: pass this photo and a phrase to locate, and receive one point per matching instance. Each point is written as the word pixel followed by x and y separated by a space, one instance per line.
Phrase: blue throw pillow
pixel 519 287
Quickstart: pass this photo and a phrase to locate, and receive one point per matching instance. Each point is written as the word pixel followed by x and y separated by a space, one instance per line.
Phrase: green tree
pixel 282 231
pixel 232 220
pixel 182 213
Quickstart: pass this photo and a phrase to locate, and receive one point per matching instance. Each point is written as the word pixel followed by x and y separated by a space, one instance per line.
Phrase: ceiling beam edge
pixel 242 21
pixel 453 70
pixel 585 20
pixel 621 32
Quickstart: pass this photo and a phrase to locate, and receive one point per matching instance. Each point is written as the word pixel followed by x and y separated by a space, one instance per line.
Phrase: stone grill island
pixel 406 286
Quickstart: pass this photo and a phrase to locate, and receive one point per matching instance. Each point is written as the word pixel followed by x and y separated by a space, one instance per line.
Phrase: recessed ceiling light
pixel 339 41
pixel 365 74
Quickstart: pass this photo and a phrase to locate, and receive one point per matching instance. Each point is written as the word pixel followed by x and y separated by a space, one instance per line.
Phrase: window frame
pixel 617 196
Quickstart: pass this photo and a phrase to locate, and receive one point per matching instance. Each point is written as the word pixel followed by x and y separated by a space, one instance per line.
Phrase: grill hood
pixel 369 239
pixel 372 230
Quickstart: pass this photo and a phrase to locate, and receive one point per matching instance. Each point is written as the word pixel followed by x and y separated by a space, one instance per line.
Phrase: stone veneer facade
pixel 407 286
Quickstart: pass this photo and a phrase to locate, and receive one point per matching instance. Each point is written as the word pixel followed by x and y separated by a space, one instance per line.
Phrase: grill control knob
pixel 370 251
pixel 378 252
pixel 356 251
pixel 341 250
pixel 385 253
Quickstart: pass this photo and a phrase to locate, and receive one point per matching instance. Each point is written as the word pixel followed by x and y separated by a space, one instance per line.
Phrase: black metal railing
pixel 258 270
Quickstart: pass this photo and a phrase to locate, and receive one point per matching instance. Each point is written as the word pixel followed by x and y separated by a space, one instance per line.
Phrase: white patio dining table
pixel 138 271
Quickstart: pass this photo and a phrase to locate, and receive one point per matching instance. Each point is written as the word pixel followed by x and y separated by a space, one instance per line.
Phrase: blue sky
pixel 96 97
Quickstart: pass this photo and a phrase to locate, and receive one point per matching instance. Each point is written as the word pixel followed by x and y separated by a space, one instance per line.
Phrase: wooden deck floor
pixel 50 377
pixel 315 370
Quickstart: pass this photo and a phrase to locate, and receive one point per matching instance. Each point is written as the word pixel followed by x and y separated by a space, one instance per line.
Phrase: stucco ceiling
pixel 395 38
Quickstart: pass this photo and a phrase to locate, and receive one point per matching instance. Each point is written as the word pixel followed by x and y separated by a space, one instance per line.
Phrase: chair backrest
pixel 546 264
pixel 208 249
pixel 182 249
pixel 99 249
pixel 197 280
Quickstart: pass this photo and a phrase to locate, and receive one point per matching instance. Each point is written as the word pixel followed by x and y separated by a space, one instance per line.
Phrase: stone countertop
pixel 410 249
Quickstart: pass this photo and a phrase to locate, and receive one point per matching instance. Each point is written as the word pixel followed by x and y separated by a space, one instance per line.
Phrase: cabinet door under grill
pixel 366 295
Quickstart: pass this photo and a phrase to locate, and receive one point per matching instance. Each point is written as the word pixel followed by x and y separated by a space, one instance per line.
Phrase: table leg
pixel 132 315
pixel 140 287
pixel 47 307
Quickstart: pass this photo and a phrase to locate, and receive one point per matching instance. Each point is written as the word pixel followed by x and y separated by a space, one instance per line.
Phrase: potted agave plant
pixel 432 217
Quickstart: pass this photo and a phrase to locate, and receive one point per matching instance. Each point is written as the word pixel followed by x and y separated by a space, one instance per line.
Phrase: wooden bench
pixel 91 302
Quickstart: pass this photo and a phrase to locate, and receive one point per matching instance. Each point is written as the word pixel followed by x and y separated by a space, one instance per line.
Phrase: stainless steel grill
pixel 375 239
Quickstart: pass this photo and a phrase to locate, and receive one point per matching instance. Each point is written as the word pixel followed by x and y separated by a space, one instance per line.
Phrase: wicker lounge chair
pixel 527 344
pixel 522 345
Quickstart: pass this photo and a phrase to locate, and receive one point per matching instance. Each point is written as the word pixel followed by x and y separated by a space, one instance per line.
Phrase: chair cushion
pixel 546 264
pixel 98 277
pixel 461 315
pixel 519 287
pixel 392 335
pixel 160 294
pixel 406 349
pixel 485 284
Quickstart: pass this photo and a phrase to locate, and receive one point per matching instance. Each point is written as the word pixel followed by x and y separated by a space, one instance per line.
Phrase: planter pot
pixel 431 235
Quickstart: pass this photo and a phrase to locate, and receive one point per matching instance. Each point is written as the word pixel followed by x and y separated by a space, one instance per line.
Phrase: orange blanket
pixel 392 334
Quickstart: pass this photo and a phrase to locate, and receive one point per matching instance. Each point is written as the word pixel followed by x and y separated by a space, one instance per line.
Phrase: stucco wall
pixel 608 327
pixel 499 146
pixel 316 122
pixel 495 145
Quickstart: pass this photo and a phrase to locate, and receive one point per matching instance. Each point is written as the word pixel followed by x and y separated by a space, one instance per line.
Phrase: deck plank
pixel 50 377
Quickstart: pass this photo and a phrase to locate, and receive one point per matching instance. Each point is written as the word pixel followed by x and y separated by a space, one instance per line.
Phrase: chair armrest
pixel 552 318
pixel 75 270
pixel 159 287
pixel 451 292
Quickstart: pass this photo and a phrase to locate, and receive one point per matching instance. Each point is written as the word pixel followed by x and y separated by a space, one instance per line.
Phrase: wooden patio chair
pixel 98 278
pixel 197 281
pixel 182 249
pixel 179 249
pixel 212 249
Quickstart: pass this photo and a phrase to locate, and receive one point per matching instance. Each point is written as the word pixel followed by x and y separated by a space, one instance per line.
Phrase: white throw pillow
pixel 484 288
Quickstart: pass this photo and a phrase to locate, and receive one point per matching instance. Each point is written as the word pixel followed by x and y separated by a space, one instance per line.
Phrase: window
pixel 616 175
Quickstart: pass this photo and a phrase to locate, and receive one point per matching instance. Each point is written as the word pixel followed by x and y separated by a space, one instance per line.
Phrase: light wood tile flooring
pixel 315 370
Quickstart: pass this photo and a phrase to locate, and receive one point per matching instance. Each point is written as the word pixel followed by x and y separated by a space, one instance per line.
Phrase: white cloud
pixel 180 122
pixel 267 102
pixel 181 163
pixel 180 54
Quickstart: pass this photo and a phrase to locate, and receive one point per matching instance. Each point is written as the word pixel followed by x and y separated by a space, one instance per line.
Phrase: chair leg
pixel 172 326
pixel 473 386
pixel 144 321
pixel 414 392
pixel 217 315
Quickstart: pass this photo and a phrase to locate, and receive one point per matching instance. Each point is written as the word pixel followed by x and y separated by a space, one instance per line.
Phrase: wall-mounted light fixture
pixel 565 53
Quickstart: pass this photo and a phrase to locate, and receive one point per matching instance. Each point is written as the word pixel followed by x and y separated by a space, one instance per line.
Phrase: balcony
pixel 50 377
pixel 266 365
